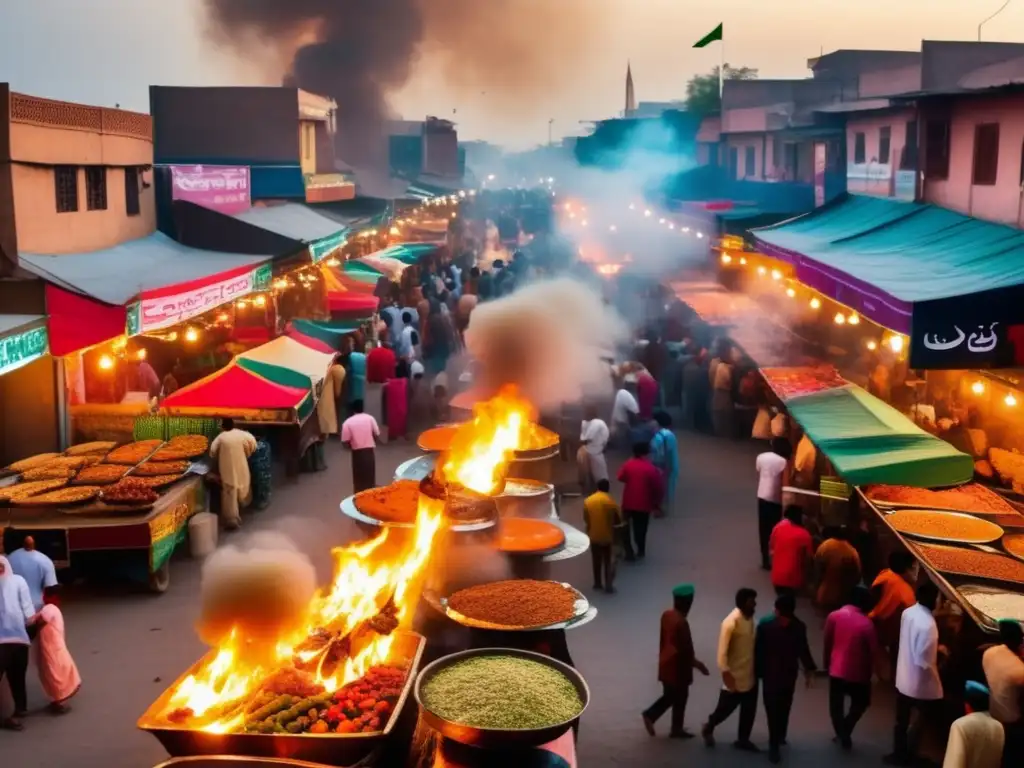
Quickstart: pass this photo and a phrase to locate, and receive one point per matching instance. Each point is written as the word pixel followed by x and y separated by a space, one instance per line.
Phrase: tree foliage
pixel 702 95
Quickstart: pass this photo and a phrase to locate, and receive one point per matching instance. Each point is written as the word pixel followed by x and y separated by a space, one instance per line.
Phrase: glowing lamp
pixel 815 303
pixel 242 304
pixel 1010 400
pixel 762 271
pixel 222 317
pixel 191 335
pixel 661 221
pixel 260 301
pixel 726 258
pixel 840 318
pixel 647 214
pixel 872 345
pixel 106 363
pixel 394 231
pixel 978 388
pixel 686 229
pixel 140 354
pixel 896 344
pixel 743 260
pixel 776 275
pixel 791 292
pixel 854 319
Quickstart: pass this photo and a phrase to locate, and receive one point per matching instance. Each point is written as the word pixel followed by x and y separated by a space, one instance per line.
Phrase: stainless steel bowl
pixel 496 738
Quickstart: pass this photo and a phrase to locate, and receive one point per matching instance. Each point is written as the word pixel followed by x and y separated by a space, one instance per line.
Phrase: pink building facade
pixel 881 153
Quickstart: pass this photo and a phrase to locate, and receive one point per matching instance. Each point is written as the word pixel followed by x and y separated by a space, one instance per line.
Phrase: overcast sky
pixel 109 51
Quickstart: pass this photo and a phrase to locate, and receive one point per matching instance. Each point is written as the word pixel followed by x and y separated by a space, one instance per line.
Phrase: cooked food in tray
pixel 130 491
pixel 101 474
pixel 48 472
pixel 182 447
pixel 965 498
pixel 992 604
pixel 156 481
pixel 395 503
pixel 972 562
pixel 521 535
pixel 133 453
pixel 520 603
pixel 72 494
pixel 162 468
pixel 1009 465
pixel 32 462
pixel 24 490
pixel 97 446
pixel 951 526
pixel 1014 544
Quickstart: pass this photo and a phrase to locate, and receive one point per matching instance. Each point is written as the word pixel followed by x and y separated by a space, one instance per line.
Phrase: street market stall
pixel 98 509
pixel 337 688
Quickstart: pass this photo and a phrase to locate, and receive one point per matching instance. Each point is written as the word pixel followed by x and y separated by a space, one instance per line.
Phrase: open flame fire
pixel 368 584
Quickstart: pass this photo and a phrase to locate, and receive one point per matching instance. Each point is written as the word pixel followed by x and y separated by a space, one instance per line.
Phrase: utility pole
pixel 551 124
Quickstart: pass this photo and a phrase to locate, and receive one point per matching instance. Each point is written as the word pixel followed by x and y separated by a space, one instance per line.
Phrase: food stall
pixel 376 676
pixel 104 509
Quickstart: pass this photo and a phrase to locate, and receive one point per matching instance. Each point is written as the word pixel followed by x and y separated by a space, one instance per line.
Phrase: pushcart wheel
pixel 160 579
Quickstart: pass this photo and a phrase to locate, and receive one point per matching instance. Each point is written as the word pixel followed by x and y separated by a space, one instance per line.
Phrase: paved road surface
pixel 129 646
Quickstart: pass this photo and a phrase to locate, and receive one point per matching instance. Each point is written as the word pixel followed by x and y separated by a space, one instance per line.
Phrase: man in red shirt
pixel 792 551
pixel 644 489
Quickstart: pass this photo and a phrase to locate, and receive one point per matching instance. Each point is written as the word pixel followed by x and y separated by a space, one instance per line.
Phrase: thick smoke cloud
pixel 361 51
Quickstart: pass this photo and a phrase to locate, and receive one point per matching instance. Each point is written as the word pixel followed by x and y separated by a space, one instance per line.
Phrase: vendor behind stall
pixel 231 450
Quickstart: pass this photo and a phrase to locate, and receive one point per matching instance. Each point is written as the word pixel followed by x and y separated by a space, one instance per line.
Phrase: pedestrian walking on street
pixel 641 497
pixel 918 686
pixel 770 466
pixel 231 450
pixel 16 614
pixel 893 592
pixel 792 550
pixel 665 455
pixel 976 740
pixel 38 571
pixel 851 648
pixel 359 433
pixel 676 662
pixel 780 650
pixel 837 566
pixel 58 674
pixel 736 663
pixel 1004 671
pixel 602 516
pixel 593 466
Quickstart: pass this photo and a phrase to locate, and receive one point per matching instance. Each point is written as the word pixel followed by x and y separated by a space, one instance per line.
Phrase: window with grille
pixel 65 179
pixel 986 154
pixel 131 191
pixel 884 142
pixel 96 188
pixel 859 149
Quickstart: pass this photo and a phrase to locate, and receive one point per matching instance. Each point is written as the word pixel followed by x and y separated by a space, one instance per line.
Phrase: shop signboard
pixel 18 349
pixel 152 314
pixel 321 249
pixel 820 164
pixel 953 346
pixel 222 188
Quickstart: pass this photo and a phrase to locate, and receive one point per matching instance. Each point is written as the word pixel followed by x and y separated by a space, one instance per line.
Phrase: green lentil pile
pixel 506 692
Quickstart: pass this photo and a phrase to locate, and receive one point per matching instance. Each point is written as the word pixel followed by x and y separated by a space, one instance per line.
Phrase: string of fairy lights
pixel 578 214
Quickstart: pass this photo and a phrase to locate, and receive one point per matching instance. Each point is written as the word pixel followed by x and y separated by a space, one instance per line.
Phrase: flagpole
pixel 721 71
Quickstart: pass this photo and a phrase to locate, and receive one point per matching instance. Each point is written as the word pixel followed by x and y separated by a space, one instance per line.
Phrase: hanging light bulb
pixel 106 362
pixel 172 336
pixel 743 260
pixel 242 303
pixel 700 235
pixel 222 317
pixel 260 301
pixel 191 335
pixel 776 275
pixel 872 345
pixel 853 319
pixel 791 292
pixel 726 258
pixel 840 318
pixel 896 343
pixel 394 231
pixel 978 388
pixel 140 354
pixel 762 271
pixel 815 303
pixel 1010 400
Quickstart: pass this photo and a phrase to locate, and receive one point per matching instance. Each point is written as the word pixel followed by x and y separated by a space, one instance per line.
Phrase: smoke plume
pixel 261 589
pixel 360 52
pixel 548 338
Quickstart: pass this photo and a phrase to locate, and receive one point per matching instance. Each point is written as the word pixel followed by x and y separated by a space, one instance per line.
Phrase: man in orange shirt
pixel 893 590
pixel 791 549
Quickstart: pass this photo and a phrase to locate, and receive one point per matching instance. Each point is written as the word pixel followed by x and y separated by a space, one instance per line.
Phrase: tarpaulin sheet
pixel 870 442
pixel 77 322
pixel 234 387
pixel 310 341
pixel 327 333
pixel 289 353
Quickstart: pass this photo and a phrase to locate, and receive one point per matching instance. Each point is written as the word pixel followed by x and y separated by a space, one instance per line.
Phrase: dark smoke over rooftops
pixel 511 53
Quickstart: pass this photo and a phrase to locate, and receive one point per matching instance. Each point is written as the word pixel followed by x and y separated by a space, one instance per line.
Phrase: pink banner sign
pixel 222 188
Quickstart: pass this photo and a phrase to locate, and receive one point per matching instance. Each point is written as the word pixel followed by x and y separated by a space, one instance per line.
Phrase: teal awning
pixel 329 333
pixel 407 253
pixel 870 442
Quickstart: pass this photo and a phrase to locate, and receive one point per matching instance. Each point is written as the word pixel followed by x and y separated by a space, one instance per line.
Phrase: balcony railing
pixel 48 113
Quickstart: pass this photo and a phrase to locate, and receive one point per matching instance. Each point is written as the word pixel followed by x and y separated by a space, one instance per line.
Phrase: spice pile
pixel 1014 544
pixel 966 498
pixel 970 562
pixel 995 605
pixel 395 503
pixel 502 692
pixel 944 525
pixel 516 603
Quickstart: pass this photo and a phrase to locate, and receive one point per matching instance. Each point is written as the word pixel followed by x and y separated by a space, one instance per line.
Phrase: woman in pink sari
pixel 58 674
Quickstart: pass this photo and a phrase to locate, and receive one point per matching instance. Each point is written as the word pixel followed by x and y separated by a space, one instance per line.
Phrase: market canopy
pixel 407 253
pixel 289 354
pixel 310 341
pixel 953 283
pixel 129 270
pixel 870 442
pixel 328 333
pixel 233 390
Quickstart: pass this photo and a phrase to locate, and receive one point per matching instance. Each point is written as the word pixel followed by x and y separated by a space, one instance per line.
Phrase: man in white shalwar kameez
pixel 976 739
pixel 231 450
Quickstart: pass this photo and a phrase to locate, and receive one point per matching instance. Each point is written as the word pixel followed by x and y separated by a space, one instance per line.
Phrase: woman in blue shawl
pixel 665 456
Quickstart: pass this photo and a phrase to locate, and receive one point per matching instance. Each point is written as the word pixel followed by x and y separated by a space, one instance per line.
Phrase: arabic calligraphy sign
pixel 164 311
pixel 20 349
pixel 956 345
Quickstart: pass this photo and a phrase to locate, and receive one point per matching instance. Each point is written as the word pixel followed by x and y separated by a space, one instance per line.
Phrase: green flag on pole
pixel 710 37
